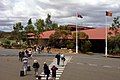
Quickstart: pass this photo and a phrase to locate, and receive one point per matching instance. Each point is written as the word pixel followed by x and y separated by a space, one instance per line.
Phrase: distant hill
pixel 1 31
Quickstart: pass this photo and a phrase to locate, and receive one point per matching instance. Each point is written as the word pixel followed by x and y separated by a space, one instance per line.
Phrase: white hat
pixel 53 64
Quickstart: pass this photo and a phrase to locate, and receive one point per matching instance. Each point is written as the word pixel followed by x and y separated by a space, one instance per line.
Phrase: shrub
pixel 7 44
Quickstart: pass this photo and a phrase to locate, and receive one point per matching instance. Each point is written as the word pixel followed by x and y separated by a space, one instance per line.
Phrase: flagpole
pixel 106 37
pixel 76 36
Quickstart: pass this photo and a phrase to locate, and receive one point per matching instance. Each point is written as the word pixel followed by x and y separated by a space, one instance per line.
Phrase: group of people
pixel 60 57
pixel 40 49
pixel 37 49
pixel 25 53
pixel 47 71
pixel 24 58
pixel 36 67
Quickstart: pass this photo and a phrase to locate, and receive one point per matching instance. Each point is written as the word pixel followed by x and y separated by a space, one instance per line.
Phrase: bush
pixel 6 42
pixel 70 44
pixel 86 45
pixel 114 45
pixel 116 50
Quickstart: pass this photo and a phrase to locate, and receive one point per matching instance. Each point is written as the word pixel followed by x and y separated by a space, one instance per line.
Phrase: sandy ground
pixel 10 67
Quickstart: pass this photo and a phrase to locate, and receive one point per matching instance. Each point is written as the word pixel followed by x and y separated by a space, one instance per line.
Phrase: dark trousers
pixel 58 61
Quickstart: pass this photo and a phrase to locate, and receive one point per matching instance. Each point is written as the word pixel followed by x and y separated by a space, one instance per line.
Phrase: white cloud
pixel 62 11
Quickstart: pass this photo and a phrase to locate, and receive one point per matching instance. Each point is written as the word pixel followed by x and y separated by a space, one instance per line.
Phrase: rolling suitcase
pixel 21 72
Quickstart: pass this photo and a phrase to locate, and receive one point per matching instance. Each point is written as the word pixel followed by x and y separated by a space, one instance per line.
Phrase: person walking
pixel 22 55
pixel 48 49
pixel 25 64
pixel 58 58
pixel 46 70
pixel 36 66
pixel 39 49
pixel 19 56
pixel 54 68
pixel 30 53
pixel 26 53
pixel 63 59
pixel 34 49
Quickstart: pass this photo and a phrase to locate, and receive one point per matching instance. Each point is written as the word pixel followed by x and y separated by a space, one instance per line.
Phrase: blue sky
pixel 61 11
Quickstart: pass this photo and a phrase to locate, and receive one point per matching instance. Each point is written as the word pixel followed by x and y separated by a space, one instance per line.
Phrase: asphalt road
pixel 92 67
pixel 10 65
pixel 80 67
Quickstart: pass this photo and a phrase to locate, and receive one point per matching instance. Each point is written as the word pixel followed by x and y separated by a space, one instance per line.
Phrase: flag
pixel 108 13
pixel 79 16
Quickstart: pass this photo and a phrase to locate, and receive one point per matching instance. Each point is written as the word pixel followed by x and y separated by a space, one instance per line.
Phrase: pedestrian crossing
pixel 59 71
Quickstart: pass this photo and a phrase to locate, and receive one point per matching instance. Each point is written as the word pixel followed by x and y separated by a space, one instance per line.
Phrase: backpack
pixel 36 65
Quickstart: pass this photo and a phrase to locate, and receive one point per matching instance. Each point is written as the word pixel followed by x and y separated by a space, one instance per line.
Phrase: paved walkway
pixel 60 68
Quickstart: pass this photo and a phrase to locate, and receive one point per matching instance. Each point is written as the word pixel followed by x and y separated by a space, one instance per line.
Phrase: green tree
pixel 48 23
pixel 40 26
pixel 54 26
pixel 113 41
pixel 81 35
pixel 83 42
pixel 59 37
pixel 64 34
pixel 18 28
pixel 29 27
pixel 115 25
pixel 54 39
pixel 70 44
pixel 114 45
pixel 63 28
pixel 29 21
pixel 85 45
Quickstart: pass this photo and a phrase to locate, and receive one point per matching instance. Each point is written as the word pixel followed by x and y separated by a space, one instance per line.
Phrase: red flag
pixel 79 16
pixel 108 13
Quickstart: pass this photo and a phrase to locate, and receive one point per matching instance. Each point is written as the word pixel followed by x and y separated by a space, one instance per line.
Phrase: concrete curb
pixel 35 55
pixel 111 56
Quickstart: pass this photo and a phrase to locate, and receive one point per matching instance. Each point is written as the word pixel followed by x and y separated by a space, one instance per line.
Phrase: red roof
pixel 96 33
pixel 46 34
